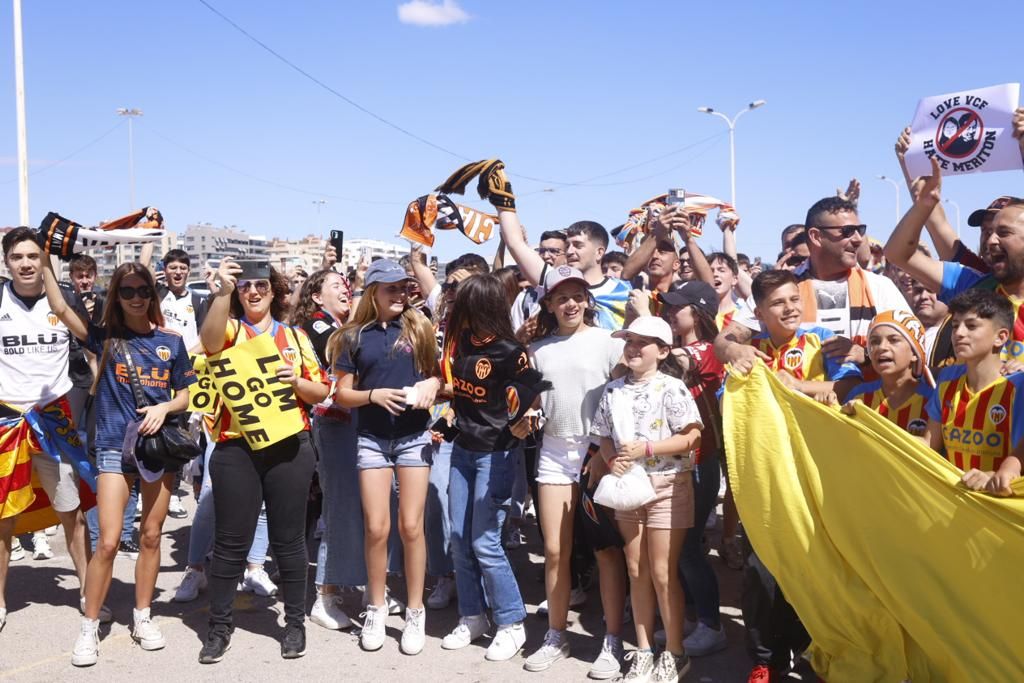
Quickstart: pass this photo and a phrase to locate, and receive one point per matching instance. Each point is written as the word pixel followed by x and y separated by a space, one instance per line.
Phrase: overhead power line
pixel 58 162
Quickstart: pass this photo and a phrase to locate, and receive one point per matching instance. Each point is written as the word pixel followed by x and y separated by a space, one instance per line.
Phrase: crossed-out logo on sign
pixel 960 141
pixel 917 427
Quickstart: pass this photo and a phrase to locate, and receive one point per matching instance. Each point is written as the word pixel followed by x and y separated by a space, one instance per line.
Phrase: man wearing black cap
pixel 1002 253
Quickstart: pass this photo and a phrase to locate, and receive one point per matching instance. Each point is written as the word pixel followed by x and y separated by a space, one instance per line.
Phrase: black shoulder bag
pixel 173 445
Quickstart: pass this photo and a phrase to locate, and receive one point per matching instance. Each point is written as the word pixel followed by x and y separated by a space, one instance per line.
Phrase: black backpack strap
pixel 199 306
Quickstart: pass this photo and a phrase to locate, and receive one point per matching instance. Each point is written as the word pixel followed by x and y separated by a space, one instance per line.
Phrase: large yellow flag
pixel 895 569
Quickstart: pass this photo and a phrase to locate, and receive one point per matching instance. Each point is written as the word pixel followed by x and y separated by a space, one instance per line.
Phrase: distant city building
pixel 203 242
pixel 355 248
pixel 306 253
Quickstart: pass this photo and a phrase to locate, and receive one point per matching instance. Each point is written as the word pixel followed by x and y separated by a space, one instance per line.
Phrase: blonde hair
pixel 417 332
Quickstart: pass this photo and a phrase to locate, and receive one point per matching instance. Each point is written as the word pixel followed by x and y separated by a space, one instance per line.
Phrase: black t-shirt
pixel 320 328
pixel 487 381
pixel 78 365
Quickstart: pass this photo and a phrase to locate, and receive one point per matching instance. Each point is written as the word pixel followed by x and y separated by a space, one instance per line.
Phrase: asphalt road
pixel 43 623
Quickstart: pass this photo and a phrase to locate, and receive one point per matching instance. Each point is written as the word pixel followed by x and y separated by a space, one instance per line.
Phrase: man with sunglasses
pixel 838 294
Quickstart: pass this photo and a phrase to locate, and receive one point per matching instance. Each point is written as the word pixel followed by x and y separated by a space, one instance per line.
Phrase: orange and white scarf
pixel 436 211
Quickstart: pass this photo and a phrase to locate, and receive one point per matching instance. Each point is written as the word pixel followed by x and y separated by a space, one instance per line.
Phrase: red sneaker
pixel 760 674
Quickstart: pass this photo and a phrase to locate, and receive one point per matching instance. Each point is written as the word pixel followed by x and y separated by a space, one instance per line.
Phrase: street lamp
pixel 318 203
pixel 956 207
pixel 732 137
pixel 131 114
pixel 896 186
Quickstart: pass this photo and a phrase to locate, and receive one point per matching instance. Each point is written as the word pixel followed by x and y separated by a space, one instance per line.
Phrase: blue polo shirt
pixel 380 361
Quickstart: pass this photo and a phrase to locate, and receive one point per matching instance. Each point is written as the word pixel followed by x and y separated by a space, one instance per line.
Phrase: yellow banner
pixel 202 395
pixel 264 410
pixel 896 570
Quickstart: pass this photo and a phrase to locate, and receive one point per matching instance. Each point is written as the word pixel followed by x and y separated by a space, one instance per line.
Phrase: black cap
pixel 976 217
pixel 695 293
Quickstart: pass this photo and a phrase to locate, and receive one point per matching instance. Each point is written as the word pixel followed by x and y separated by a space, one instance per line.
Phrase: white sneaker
pixel 17 552
pixel 105 616
pixel 609 663
pixel 704 641
pixel 51 530
pixel 191 584
pixel 87 645
pixel 327 612
pixel 468 630
pixel 41 547
pixel 642 666
pixel 374 627
pixel 175 509
pixel 555 647
pixel 145 632
pixel 577 597
pixel 507 643
pixel 442 594
pixel 258 581
pixel 413 636
pixel 3 618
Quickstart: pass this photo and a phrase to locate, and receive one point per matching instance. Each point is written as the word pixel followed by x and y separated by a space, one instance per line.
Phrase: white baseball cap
pixel 559 275
pixel 648 326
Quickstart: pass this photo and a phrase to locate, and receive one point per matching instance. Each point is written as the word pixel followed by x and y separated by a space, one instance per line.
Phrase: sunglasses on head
pixel 262 286
pixel 142 291
pixel 846 231
pixel 450 286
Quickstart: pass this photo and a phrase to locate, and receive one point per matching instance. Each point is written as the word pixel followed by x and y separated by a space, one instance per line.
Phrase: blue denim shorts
pixel 111 461
pixel 411 451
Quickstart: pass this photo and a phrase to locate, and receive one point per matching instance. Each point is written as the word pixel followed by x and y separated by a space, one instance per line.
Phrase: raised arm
pixel 744 281
pixel 901 249
pixel 531 265
pixel 422 271
pixel 212 333
pixel 499 256
pixel 59 305
pixel 942 233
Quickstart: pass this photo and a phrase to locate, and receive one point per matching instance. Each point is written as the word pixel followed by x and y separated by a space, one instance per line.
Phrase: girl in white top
pixel 650 419
pixel 578 358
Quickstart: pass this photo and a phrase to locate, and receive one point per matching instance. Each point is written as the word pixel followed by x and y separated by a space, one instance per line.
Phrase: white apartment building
pixel 355 248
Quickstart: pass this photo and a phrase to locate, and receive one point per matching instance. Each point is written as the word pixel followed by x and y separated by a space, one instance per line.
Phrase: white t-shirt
pixel 832 299
pixel 578 367
pixel 35 348
pixel 180 316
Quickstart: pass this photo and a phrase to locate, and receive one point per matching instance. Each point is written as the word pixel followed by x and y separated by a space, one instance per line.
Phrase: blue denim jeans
pixel 478 497
pixel 438 523
pixel 700 585
pixel 200 537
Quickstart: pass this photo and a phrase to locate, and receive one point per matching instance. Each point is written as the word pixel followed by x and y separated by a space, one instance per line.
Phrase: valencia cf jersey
pixel 978 429
pixel 911 417
pixel 803 356
pixel 486 397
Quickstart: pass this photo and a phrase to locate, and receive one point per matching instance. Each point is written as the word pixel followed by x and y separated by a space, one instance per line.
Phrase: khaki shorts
pixel 672 507
pixel 59 480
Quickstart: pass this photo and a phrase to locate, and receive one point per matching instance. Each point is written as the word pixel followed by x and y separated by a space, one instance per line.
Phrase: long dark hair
pixel 481 308
pixel 280 288
pixel 306 308
pixel 509 278
pixel 113 314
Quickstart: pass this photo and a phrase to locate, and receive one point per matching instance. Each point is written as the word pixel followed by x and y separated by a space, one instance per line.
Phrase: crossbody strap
pixel 133 375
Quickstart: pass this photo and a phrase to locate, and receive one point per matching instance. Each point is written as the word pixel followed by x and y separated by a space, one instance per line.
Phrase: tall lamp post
pixel 895 186
pixel 19 98
pixel 732 137
pixel 131 114
pixel 319 203
pixel 956 207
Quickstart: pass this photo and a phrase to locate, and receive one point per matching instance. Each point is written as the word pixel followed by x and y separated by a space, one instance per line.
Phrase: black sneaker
pixel 128 550
pixel 293 645
pixel 217 643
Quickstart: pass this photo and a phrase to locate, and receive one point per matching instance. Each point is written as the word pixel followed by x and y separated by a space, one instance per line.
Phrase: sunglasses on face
pixel 449 287
pixel 845 231
pixel 262 286
pixel 142 291
pixel 554 251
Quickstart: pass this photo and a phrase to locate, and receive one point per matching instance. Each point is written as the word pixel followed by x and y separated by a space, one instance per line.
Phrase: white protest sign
pixel 968 132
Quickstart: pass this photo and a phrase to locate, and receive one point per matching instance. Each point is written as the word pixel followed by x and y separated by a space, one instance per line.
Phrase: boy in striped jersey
pixel 793 352
pixel 977 412
pixel 896 351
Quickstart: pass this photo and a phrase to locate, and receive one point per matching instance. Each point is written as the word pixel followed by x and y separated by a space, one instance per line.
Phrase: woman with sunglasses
pixel 278 475
pixel 131 328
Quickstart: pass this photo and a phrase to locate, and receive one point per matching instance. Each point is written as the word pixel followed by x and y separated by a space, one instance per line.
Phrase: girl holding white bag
pixel 649 422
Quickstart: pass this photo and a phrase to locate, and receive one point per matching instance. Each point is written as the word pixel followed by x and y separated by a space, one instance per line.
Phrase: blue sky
pixel 563 91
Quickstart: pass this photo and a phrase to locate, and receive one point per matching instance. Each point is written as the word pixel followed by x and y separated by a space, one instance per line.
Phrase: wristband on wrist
pixel 649 449
pixel 369 399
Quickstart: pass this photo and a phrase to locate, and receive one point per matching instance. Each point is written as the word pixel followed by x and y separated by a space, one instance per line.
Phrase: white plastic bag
pixel 628 492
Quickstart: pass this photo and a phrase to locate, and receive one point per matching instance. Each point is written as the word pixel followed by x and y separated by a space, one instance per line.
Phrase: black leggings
pixel 242 478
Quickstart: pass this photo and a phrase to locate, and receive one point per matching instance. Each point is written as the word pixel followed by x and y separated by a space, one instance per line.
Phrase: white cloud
pixel 429 13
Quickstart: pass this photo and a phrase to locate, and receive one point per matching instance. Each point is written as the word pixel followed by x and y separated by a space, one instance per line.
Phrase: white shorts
pixel 561 459
pixel 59 480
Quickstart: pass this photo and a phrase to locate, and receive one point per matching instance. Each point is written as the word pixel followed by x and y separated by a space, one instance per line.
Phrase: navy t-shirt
pixel 162 363
pixel 380 361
